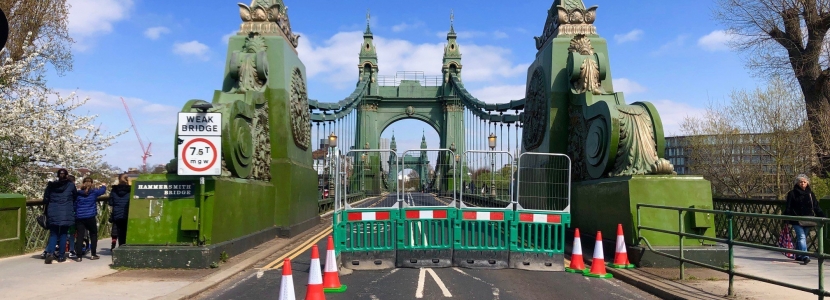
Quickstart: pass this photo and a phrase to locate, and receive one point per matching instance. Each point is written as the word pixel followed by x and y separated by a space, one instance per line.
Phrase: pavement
pixel 257 274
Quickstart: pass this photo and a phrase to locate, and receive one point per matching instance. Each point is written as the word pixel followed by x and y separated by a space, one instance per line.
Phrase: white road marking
pixel 419 292
pixel 495 293
pixel 259 274
pixel 373 297
pixel 384 275
pixel 441 285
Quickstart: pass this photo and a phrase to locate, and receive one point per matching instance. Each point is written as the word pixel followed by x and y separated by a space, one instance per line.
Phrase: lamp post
pixel 456 177
pixel 332 168
pixel 363 158
pixel 492 143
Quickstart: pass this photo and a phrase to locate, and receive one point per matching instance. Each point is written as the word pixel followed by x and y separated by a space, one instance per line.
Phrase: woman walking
pixel 120 202
pixel 86 210
pixel 802 202
pixel 59 199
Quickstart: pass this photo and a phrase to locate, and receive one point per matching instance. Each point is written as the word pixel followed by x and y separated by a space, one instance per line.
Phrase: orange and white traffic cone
pixel 314 290
pixel 331 279
pixel 577 262
pixel 287 284
pixel 621 255
pixel 598 263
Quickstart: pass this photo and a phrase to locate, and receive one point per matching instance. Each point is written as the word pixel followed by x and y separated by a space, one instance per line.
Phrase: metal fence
pixel 36 236
pixel 757 228
pixel 544 181
pixel 488 178
pixel 730 240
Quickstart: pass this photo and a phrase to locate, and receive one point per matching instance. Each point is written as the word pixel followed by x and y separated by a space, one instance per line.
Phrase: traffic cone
pixel 331 279
pixel 598 264
pixel 577 262
pixel 287 284
pixel 621 255
pixel 314 290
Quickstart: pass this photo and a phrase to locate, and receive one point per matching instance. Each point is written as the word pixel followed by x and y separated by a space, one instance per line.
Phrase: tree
pixel 46 20
pixel 753 145
pixel 788 38
pixel 40 129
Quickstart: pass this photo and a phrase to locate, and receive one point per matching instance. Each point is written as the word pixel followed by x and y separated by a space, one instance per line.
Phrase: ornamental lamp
pixel 492 141
pixel 332 140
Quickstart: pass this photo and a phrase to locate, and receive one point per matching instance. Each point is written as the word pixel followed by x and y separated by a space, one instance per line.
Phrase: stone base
pixel 424 258
pixel 717 256
pixel 474 259
pixel 186 257
pixel 296 229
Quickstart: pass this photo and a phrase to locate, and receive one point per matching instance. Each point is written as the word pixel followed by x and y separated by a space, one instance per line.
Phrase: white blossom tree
pixel 40 129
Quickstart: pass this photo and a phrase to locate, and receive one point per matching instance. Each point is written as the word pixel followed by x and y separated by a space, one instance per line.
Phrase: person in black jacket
pixel 120 202
pixel 59 201
pixel 803 203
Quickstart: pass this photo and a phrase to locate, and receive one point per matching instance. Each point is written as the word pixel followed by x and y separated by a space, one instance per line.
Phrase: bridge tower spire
pixel 368 64
pixel 452 53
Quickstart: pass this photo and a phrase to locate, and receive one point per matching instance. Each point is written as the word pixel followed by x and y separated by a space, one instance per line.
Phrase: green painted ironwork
pixel 730 241
pixel 756 230
pixel 537 237
pixel 471 234
pixel 415 233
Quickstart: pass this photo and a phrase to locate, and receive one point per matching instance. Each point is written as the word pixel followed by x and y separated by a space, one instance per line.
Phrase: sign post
pixel 200 144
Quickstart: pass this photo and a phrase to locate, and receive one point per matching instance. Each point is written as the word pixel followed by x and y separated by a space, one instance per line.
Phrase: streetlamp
pixel 332 145
pixel 363 158
pixel 492 143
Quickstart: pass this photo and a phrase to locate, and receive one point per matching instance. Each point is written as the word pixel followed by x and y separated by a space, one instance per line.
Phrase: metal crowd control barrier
pixel 731 242
pixel 368 235
pixel 543 194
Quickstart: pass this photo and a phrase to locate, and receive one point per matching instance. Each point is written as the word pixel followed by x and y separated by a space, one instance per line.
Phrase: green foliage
pixel 820 186
pixel 223 257
pixel 214 265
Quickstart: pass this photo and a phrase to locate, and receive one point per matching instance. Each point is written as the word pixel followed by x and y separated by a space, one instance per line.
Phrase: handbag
pixel 785 240
pixel 42 220
pixel 812 213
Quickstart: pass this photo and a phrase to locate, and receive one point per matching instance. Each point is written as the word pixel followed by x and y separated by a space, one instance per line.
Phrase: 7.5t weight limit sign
pixel 200 155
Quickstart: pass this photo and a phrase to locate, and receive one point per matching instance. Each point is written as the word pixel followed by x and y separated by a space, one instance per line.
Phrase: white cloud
pixel 331 60
pixel 631 36
pixel 627 86
pixel 716 41
pixel 499 93
pixel 156 122
pixel 154 33
pixel 673 113
pixel 192 49
pixel 91 18
pixel 500 34
pixel 406 26
pixel 226 37
pixel 674 44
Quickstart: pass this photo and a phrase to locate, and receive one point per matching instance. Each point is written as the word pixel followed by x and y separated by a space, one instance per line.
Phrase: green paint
pixel 12 224
pixel 599 205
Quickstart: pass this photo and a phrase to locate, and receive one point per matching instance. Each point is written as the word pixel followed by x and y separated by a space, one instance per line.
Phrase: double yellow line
pixel 277 263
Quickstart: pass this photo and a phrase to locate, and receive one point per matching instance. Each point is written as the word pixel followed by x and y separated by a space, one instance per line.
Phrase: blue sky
pixel 157 55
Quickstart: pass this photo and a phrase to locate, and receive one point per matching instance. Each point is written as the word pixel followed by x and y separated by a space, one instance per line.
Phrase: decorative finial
pixel 368 18
pixel 452 19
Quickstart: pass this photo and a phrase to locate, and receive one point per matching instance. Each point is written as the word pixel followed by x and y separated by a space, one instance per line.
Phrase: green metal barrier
pixel 482 238
pixel 369 239
pixel 537 240
pixel 425 237
pixel 731 242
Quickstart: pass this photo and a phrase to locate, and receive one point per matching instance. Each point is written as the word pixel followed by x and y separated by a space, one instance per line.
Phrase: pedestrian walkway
pixel 27 277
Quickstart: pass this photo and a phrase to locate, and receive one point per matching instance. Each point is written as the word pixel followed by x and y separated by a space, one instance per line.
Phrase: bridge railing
pixel 759 230
pixel 731 241
pixel 36 236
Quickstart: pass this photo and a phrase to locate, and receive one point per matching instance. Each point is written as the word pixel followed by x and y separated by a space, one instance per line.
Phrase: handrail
pixel 730 242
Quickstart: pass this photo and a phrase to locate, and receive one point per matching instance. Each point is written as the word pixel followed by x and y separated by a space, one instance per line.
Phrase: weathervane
pixel 368 16
pixel 452 17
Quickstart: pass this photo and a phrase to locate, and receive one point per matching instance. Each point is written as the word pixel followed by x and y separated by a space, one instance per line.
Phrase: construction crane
pixel 145 151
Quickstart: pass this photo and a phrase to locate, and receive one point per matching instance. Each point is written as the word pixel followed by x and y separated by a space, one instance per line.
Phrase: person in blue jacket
pixel 86 210
pixel 59 199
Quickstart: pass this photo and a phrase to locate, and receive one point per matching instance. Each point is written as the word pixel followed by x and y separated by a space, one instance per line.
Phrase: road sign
pixel 201 124
pixel 200 155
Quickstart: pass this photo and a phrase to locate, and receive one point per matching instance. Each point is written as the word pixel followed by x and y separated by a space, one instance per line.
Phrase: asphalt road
pixel 438 283
pixel 413 199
